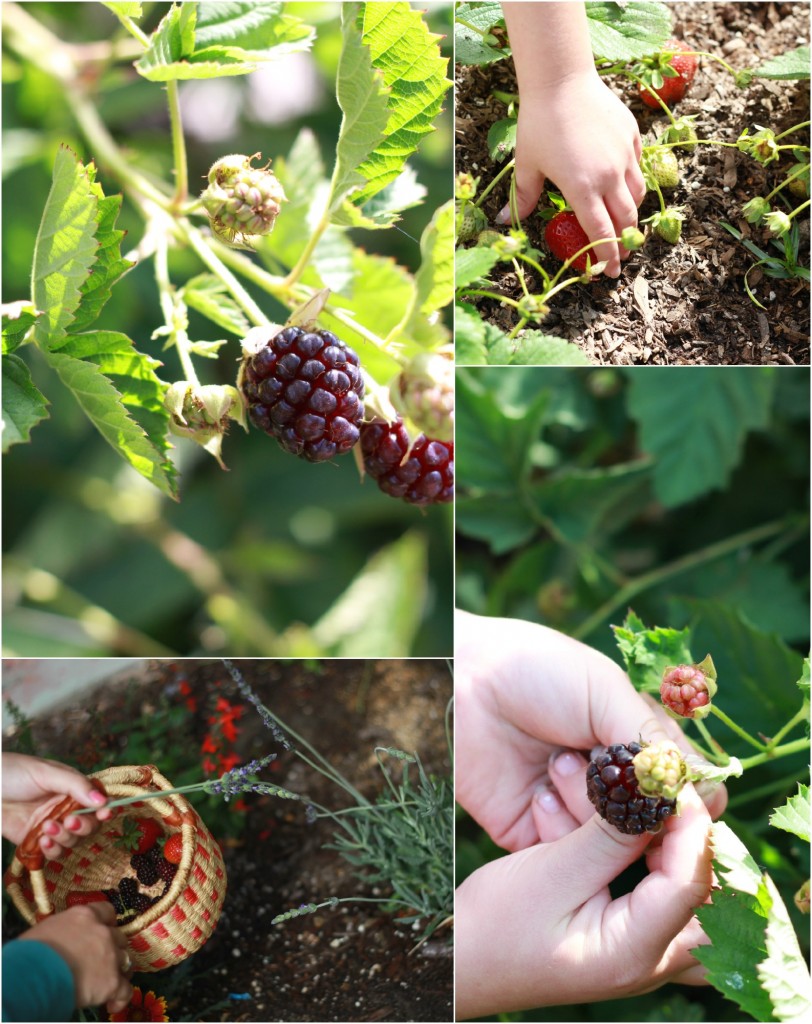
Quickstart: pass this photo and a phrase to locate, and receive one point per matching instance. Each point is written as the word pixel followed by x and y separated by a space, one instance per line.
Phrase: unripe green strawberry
pixel 668 225
pixel 242 201
pixel 470 222
pixel 664 168
pixel 424 392
pixel 682 132
pixel 660 769
pixel 800 186
pixel 488 237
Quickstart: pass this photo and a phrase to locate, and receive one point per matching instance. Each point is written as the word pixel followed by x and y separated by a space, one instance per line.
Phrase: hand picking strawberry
pixel 572 128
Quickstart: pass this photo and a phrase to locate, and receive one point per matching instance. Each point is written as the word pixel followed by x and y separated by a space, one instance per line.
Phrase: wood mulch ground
pixel 685 304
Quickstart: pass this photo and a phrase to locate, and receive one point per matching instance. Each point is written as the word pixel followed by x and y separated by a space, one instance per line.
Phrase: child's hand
pixel 93 947
pixel 540 928
pixel 32 787
pixel 580 135
pixel 524 693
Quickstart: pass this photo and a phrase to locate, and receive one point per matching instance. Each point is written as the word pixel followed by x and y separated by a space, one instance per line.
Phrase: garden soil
pixel 351 963
pixel 686 304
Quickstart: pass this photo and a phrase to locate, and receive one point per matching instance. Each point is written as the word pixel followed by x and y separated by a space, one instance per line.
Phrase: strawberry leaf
pixel 794 64
pixel 795 813
pixel 624 32
pixel 473 43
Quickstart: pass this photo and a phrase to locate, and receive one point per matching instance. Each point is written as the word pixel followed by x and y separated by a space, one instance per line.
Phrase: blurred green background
pixel 96 561
pixel 683 494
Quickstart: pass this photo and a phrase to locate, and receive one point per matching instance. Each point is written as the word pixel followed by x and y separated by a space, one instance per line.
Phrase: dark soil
pixel 352 963
pixel 685 304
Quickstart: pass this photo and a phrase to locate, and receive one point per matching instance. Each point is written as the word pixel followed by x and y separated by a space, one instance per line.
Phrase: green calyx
pixel 668 224
pixel 201 412
pixel 470 221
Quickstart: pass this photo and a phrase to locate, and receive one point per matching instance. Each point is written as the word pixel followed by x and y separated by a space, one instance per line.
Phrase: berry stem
pixel 178 146
pixel 508 166
pixel 788 782
pixel 175 323
pixel 800 716
pixel 790 177
pixel 794 128
pixel 205 250
pixel 734 727
pixel 720 756
pixel 771 755
pixel 626 594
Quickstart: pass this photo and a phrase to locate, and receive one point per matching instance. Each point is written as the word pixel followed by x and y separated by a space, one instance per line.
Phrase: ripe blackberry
pixel 305 389
pixel 142 902
pixel 128 890
pixel 612 787
pixel 114 897
pixel 146 866
pixel 166 871
pixel 426 477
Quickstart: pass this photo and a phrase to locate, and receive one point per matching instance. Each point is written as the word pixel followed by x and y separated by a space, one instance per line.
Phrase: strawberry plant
pixel 216 301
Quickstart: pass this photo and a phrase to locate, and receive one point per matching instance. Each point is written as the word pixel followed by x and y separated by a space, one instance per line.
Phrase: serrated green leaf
pixel 784 973
pixel 251 31
pixel 469 336
pixel 502 138
pixel 23 405
pixel 582 504
pixel 794 815
pixel 363 96
pixel 380 611
pixel 18 319
pixel 65 250
pixel 333 260
pixel 382 210
pixel 471 21
pixel 109 265
pixel 408 56
pixel 123 9
pixel 793 64
pixel 648 652
pixel 494 443
pixel 209 296
pixel 627 31
pixel 533 348
pixel 695 425
pixel 435 276
pixel 84 364
pixel 736 923
pixel 500 521
pixel 473 264
pixel 172 42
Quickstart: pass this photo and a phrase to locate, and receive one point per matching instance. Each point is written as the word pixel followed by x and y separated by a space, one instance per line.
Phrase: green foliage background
pixel 681 493
pixel 97 563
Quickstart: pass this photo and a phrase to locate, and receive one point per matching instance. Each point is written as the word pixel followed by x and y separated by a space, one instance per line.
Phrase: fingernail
pixel 97 798
pixel 47 843
pixel 73 824
pixel 548 801
pixel 503 217
pixel 566 764
pixel 51 828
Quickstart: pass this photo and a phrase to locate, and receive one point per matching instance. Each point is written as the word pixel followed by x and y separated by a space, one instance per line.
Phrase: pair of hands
pixel 572 128
pixel 539 927
pixel 86 937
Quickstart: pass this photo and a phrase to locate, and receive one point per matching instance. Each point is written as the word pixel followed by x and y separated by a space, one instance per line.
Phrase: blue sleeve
pixel 37 983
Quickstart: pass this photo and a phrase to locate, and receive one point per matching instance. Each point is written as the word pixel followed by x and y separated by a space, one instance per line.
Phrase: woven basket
pixel 171 929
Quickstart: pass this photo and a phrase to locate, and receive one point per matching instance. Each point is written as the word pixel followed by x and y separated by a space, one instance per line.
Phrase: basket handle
pixel 29 853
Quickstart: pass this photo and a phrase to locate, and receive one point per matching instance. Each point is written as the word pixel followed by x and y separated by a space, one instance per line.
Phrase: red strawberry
pixel 78 899
pixel 173 848
pixel 140 834
pixel 565 236
pixel 685 63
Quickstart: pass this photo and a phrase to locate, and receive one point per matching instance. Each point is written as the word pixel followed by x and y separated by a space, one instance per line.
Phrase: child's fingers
pixel 636 184
pixel 623 211
pixel 529 183
pixel 550 816
pixel 568 772
pixel 597 223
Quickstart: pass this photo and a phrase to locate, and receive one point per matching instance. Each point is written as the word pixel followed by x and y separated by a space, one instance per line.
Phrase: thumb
pixel 529 183
pixel 590 857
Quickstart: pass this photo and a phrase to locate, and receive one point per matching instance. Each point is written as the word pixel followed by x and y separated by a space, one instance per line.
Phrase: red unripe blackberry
pixel 305 389
pixel 426 477
pixel 684 690
pixel 611 785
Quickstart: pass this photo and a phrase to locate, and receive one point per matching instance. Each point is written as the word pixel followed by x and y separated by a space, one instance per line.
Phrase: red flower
pixel 142 1007
pixel 209 766
pixel 228 729
pixel 229 761
pixel 210 746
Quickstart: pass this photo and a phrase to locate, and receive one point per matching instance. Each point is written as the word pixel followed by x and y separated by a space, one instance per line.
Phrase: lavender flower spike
pixel 252 698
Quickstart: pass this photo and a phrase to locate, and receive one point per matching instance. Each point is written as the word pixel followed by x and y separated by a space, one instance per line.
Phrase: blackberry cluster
pixel 305 389
pixel 426 477
pixel 611 785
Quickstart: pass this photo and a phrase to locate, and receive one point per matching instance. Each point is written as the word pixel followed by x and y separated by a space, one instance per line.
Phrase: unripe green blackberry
pixel 424 392
pixel 241 200
pixel 660 769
